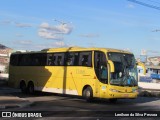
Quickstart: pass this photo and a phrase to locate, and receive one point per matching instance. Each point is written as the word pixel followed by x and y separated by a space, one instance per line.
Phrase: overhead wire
pixel 145 4
pixel 154 1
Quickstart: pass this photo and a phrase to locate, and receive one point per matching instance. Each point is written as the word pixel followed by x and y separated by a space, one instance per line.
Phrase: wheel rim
pixel 31 89
pixel 23 87
pixel 88 94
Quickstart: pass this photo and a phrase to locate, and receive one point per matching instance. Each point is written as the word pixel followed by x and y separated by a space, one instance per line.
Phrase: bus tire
pixel 23 87
pixel 88 94
pixel 113 100
pixel 30 88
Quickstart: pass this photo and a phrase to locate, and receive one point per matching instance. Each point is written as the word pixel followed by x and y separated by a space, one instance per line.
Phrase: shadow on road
pixel 79 98
pixel 7 91
pixel 51 101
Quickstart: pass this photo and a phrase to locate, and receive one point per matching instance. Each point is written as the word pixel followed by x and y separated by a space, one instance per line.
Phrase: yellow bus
pixel 141 68
pixel 88 72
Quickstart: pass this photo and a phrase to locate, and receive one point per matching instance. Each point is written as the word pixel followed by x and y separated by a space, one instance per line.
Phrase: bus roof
pixel 75 49
pixel 83 49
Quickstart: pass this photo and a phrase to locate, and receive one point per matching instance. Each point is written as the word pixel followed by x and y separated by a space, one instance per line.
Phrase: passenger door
pixel 101 71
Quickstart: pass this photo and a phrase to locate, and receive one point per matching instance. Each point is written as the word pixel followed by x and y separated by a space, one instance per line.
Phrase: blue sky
pixel 121 24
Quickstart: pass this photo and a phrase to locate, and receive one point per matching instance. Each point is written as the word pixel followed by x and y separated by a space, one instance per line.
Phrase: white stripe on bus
pixel 57 90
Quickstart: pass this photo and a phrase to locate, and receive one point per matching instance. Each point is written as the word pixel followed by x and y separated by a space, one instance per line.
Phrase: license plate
pixel 126 95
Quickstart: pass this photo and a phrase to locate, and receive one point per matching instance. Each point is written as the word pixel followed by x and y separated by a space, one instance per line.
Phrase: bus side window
pixel 69 59
pixel 21 60
pixel 14 60
pixel 39 59
pixel 85 59
pixel 43 59
pixel 72 58
pixel 51 59
pixel 59 59
pixel 35 61
pixel 76 58
pixel 25 60
pixel 54 60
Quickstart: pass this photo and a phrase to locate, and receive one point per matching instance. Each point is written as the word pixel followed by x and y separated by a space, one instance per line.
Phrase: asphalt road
pixel 52 102
pixel 66 107
pixel 55 105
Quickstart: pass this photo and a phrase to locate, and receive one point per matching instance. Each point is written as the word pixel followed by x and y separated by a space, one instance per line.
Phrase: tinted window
pixel 39 59
pixel 85 58
pixel 51 59
pixel 72 59
pixel 14 59
pixel 58 59
pixel 25 60
pixel 100 65
pixel 32 59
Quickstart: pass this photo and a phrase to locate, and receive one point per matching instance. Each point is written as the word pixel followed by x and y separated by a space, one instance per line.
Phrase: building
pixel 4 57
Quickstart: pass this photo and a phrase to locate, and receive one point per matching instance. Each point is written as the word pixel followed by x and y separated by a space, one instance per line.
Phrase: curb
pixel 149 93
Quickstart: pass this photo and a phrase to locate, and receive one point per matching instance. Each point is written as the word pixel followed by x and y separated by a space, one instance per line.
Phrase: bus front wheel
pixel 88 94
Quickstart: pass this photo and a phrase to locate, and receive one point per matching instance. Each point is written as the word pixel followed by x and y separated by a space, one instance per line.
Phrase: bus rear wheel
pixel 23 87
pixel 88 94
pixel 30 88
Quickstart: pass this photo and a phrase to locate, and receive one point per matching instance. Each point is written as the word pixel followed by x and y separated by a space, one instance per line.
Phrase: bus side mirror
pixel 111 66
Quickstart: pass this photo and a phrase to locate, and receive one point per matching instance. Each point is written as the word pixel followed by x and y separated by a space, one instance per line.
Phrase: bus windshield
pixel 125 73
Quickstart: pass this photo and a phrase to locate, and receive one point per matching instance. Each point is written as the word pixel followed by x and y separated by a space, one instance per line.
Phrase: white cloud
pixel 6 22
pixel 130 6
pixel 23 25
pixel 60 43
pixel 49 34
pixel 17 24
pixel 154 39
pixel 19 35
pixel 51 45
pixel 44 25
pixel 59 29
pixel 54 32
pixel 29 45
pixel 23 42
pixel 91 35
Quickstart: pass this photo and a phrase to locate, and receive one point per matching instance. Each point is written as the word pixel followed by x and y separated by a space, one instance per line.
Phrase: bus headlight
pixel 113 90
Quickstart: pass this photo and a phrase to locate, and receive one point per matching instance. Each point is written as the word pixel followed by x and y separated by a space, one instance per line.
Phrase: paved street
pixel 55 105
